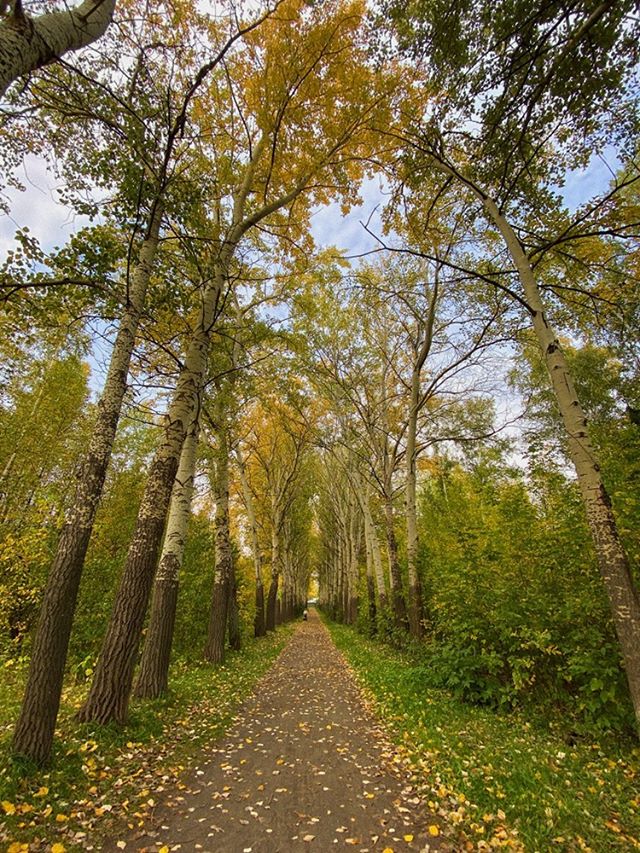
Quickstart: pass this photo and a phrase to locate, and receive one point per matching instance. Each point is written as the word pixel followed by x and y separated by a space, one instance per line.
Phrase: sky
pixel 39 209
pixel 53 223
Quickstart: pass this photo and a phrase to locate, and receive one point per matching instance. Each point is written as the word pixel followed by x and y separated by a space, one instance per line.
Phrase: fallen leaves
pixel 95 780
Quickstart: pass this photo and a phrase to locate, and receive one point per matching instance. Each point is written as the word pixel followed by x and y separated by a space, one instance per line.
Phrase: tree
pixel 153 677
pixel 214 650
pixel 266 170
pixel 28 43
pixel 544 90
pixel 154 186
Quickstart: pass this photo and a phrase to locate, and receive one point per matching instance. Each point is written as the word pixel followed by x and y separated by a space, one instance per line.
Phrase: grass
pixel 501 780
pixel 103 779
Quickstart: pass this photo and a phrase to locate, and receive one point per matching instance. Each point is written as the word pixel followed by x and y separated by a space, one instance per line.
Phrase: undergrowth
pixel 501 779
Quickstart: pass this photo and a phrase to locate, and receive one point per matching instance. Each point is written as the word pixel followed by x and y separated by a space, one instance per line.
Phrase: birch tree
pixel 276 158
pixel 545 89
pixel 28 42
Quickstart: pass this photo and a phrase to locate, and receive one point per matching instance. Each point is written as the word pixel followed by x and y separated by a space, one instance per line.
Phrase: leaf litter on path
pixel 305 766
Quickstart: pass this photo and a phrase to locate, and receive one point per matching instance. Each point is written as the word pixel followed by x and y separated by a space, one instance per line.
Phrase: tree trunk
pixel 235 637
pixel 371 538
pixel 28 43
pixel 399 605
pixel 272 602
pixel 258 624
pixel 33 735
pixel 214 650
pixel 154 665
pixel 111 687
pixel 371 589
pixel 272 599
pixel 415 587
pixel 355 536
pixel 372 614
pixel 612 560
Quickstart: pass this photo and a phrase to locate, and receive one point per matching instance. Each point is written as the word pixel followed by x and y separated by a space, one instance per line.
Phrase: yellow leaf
pixel 42 792
pixel 8 807
pixel 164 849
pixel 434 830
pixel 387 850
pixel 58 848
pixel 16 847
pixel 60 818
pixel 408 838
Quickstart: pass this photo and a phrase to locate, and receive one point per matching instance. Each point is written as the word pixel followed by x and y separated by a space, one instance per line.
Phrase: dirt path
pixel 305 767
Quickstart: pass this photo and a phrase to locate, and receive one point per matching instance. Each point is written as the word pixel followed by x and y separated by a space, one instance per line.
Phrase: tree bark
pixel 214 650
pixel 415 587
pixel 33 735
pixel 111 687
pixel 28 43
pixel 371 537
pixel 235 636
pixel 153 677
pixel 272 602
pixel 276 560
pixel 397 597
pixel 612 560
pixel 259 628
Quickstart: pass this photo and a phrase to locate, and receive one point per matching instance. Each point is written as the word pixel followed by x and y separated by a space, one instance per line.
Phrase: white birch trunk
pixel 259 624
pixel 415 591
pixel 29 43
pixel 154 665
pixel 612 560
pixel 371 537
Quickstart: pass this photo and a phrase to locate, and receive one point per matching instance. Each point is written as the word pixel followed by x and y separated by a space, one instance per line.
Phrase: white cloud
pixel 330 227
pixel 38 208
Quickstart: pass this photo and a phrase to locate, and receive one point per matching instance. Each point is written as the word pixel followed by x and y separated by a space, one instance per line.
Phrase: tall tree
pixel 544 88
pixel 122 113
pixel 276 159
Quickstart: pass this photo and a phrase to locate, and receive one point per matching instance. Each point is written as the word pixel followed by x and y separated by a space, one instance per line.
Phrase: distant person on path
pixel 305 613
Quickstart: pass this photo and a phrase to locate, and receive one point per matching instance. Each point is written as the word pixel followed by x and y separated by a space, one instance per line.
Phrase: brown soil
pixel 305 767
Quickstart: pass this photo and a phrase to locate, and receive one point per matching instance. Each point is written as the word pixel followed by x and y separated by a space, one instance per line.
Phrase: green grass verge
pixel 103 780
pixel 499 779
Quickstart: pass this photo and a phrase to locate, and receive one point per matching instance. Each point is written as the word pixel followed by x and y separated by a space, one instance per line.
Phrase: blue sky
pixel 52 223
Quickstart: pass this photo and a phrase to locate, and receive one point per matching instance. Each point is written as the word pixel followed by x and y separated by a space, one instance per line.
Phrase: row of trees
pixel 203 152
pixel 509 606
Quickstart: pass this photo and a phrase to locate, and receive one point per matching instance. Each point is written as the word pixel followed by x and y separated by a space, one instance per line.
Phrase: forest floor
pixel 306 766
pixel 289 746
